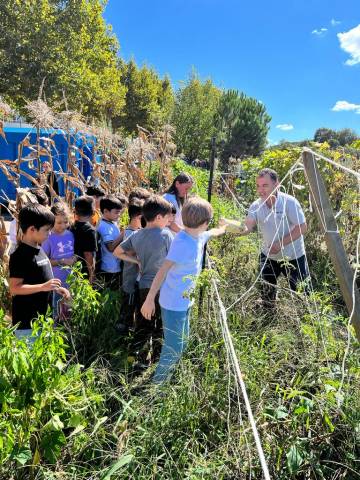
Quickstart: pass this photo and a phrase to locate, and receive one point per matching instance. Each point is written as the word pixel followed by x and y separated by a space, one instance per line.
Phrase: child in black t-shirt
pixel 31 277
pixel 85 245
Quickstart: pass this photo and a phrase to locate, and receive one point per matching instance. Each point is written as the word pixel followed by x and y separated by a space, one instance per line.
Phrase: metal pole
pixel 209 195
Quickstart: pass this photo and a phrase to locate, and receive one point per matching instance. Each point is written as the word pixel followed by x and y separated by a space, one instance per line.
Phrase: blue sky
pixel 301 58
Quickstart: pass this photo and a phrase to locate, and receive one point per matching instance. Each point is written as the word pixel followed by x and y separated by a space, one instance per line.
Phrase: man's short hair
pixel 156 205
pixel 93 191
pixel 35 215
pixel 196 212
pixel 140 193
pixel 84 206
pixel 269 171
pixel 135 208
pixel 40 195
pixel 110 202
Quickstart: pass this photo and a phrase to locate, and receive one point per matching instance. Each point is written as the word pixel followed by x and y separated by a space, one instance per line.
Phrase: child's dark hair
pixel 93 191
pixel 60 208
pixel 123 199
pixel 40 196
pixel 110 202
pixel 35 215
pixel 156 205
pixel 173 209
pixel 135 208
pixel 84 206
pixel 140 193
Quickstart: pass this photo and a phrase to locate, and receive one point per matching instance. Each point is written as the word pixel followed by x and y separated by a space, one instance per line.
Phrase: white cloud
pixel 285 126
pixel 334 22
pixel 344 106
pixel 350 43
pixel 320 32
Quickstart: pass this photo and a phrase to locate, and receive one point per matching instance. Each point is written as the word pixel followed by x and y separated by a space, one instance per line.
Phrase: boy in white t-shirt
pixel 175 279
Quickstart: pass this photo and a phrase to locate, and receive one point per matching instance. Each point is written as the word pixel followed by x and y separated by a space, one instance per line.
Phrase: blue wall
pixel 9 151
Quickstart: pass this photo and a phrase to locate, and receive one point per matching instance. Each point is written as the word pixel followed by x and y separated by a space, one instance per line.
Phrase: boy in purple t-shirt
pixel 59 247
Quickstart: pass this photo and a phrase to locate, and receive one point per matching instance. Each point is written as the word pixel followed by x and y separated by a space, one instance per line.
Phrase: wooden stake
pixel 327 221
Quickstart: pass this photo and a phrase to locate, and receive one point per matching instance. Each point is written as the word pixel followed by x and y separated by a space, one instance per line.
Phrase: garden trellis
pixel 347 278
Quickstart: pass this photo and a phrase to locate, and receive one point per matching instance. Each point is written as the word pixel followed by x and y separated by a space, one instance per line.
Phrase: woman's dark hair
pixel 181 178
pixel 35 215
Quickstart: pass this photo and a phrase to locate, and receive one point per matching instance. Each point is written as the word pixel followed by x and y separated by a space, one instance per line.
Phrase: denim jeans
pixel 176 333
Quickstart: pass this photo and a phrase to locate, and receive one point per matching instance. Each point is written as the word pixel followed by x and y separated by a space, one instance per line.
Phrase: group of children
pixel 154 261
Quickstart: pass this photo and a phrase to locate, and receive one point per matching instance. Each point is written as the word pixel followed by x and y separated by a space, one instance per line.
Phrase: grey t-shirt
pixel 151 246
pixel 276 222
pixel 130 270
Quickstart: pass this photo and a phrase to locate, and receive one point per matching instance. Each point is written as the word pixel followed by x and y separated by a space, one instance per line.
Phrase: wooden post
pixel 327 221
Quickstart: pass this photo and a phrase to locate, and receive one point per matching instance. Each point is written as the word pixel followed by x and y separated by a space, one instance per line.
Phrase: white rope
pixel 240 380
pixel 336 164
pixel 236 201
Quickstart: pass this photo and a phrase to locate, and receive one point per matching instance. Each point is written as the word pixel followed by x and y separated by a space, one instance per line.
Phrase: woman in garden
pixel 177 195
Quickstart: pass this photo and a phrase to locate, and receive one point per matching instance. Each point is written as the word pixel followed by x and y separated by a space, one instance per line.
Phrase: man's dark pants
pixel 294 270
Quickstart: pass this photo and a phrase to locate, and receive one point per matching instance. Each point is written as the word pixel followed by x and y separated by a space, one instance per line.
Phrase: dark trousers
pixel 129 307
pixel 294 270
pixel 109 280
pixel 148 333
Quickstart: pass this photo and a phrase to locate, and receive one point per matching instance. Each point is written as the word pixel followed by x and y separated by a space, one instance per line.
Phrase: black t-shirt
pixel 33 266
pixel 85 241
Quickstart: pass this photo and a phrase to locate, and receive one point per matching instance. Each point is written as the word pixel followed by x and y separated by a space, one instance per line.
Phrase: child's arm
pixel 234 226
pixel 112 245
pixel 119 252
pixel 17 287
pixel 90 263
pixel 148 307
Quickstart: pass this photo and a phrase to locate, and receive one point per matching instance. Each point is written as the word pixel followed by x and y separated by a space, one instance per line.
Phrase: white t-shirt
pixel 187 253
pixel 276 222
pixel 170 197
pixel 109 232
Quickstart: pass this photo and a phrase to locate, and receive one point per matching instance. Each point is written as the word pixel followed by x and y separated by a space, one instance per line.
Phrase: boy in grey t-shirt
pixel 150 246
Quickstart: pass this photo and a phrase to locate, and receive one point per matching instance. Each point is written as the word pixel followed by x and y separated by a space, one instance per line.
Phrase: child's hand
pixel 223 222
pixel 148 309
pixel 64 292
pixel 51 285
pixel 69 261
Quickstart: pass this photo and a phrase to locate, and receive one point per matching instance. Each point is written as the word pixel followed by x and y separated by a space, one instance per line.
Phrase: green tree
pixel 242 125
pixel 196 104
pixel 149 100
pixel 65 42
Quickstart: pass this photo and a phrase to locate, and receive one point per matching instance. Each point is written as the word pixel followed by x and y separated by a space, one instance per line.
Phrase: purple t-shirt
pixel 57 247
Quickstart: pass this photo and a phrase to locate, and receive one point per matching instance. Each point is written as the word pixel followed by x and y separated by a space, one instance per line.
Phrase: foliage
pixel 195 108
pixel 149 100
pixel 242 126
pixel 68 45
pixel 335 138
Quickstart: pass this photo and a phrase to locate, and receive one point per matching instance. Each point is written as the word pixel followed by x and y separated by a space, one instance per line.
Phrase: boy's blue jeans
pixel 176 329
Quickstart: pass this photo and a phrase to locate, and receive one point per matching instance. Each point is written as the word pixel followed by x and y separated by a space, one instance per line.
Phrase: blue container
pixel 9 151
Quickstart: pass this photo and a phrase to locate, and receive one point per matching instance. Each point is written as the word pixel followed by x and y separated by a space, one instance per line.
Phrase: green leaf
pixel 124 460
pixel 22 455
pixel 51 444
pixel 294 459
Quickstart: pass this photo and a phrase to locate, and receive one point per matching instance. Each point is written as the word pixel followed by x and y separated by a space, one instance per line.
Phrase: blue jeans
pixel 176 333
